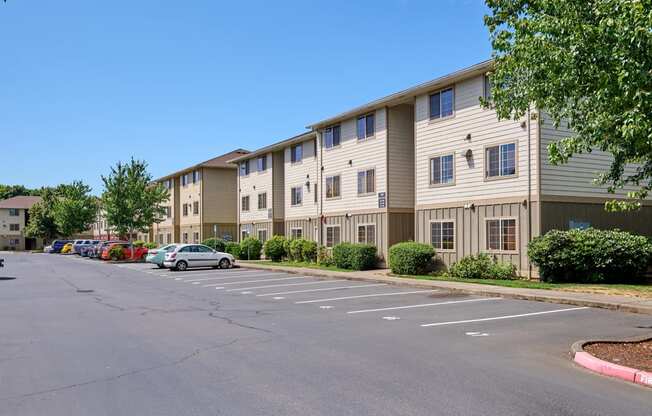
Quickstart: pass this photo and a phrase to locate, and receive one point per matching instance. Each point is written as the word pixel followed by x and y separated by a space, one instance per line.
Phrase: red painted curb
pixel 606 368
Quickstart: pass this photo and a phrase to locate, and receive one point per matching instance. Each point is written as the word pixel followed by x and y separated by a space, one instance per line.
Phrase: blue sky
pixel 84 84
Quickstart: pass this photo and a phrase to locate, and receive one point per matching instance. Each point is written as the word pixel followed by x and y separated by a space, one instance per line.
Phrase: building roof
pixel 407 95
pixel 221 161
pixel 276 146
pixel 21 202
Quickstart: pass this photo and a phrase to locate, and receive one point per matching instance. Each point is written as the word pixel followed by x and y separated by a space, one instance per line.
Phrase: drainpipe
pixel 529 186
pixel 320 174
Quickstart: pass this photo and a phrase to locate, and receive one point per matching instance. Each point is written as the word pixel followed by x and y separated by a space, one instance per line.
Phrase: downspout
pixel 529 186
pixel 320 174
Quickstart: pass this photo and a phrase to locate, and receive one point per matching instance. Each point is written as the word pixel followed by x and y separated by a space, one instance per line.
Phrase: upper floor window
pixel 184 180
pixel 332 137
pixel 442 235
pixel 501 234
pixel 13 212
pixel 245 203
pixel 14 227
pixel 261 164
pixel 168 184
pixel 296 153
pixel 168 212
pixel 262 200
pixel 500 160
pixel 196 176
pixel 441 170
pixel 441 103
pixel 244 168
pixel 185 210
pixel 366 182
pixel 297 195
pixel 366 126
pixel 333 187
pixel 195 208
pixel 367 234
pixel 487 87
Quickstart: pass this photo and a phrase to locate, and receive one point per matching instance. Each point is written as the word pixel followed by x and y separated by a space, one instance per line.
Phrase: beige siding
pixel 449 135
pixel 173 203
pixel 254 184
pixel 309 227
pixel 161 233
pixel 400 157
pixel 225 231
pixel 362 154
pixel 349 229
pixel 190 229
pixel 297 175
pixel 400 227
pixel 188 195
pixel 253 228
pixel 278 194
pixel 219 203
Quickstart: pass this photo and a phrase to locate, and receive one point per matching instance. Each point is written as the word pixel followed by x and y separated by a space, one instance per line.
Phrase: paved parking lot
pixel 133 339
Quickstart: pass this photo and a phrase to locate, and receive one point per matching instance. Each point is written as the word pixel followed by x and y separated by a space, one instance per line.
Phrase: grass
pixel 640 291
pixel 302 264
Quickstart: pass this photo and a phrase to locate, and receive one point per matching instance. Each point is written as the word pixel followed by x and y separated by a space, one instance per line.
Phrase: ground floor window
pixel 262 235
pixel 169 238
pixel 14 242
pixel 442 235
pixel 160 238
pixel 333 236
pixel 367 234
pixel 296 233
pixel 244 234
pixel 185 238
pixel 501 234
pixel 195 238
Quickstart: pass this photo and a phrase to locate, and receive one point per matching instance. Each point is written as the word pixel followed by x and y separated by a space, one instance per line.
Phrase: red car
pixel 139 252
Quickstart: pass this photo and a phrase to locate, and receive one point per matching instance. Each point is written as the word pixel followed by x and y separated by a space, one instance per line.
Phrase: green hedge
pixel 309 250
pixel 410 258
pixel 482 266
pixel 233 249
pixel 591 256
pixel 139 243
pixel 215 243
pixel 355 256
pixel 250 249
pixel 294 251
pixel 116 253
pixel 151 246
pixel 274 248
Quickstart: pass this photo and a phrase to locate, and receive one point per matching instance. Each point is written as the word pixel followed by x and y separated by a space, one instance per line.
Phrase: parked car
pixel 185 256
pixel 78 244
pixel 157 255
pixel 83 248
pixel 138 252
pixel 57 245
pixel 67 248
pixel 95 252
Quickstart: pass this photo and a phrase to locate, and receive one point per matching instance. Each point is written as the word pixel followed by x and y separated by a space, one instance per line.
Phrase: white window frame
pixel 184 237
pixel 185 210
pixel 242 204
pixel 434 184
pixel 293 158
pixel 440 117
pixel 367 136
pixel 245 169
pixel 501 235
pixel 262 160
pixel 265 199
pixel 339 235
pixel 366 233
pixel 332 179
pixel 17 226
pixel 486 87
pixel 441 239
pixel 500 161
pixel 195 211
pixel 330 131
pixel 262 230
pixel 294 230
pixel 367 192
pixel 296 190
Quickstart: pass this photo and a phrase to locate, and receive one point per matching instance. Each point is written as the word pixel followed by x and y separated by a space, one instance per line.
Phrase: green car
pixel 157 256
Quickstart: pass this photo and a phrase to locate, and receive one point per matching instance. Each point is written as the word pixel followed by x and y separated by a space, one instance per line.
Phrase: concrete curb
pixel 632 375
pixel 538 295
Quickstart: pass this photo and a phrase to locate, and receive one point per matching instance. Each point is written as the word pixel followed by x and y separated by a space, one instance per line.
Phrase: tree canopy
pixel 585 62
pixel 41 218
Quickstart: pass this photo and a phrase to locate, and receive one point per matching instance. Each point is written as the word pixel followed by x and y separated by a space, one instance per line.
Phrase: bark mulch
pixel 636 355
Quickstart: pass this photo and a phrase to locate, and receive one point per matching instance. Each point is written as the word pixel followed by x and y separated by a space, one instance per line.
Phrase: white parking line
pixel 285 284
pixel 496 318
pixel 423 305
pixel 227 277
pixel 321 290
pixel 254 281
pixel 206 273
pixel 368 296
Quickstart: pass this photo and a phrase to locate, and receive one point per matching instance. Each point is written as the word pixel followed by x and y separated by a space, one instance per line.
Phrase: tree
pixel 588 63
pixel 41 218
pixel 75 208
pixel 130 202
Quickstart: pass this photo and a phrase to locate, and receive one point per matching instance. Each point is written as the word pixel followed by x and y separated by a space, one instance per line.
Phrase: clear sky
pixel 85 83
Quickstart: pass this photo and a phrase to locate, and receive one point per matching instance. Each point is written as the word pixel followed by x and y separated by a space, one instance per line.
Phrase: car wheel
pixel 225 264
pixel 160 266
pixel 182 266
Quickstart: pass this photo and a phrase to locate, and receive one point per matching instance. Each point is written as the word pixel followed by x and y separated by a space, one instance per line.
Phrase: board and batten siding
pixel 297 175
pixel 252 185
pixel 219 196
pixel 278 186
pixel 449 135
pixel 400 157
pixel 309 228
pixel 369 153
pixel 349 228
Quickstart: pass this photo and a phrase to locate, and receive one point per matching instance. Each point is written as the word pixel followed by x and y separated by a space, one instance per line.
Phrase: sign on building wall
pixel 382 200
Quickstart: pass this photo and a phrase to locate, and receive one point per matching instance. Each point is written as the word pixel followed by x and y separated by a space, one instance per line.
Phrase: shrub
pixel 590 256
pixel 139 243
pixel 295 253
pixel 309 251
pixel 116 253
pixel 410 258
pixel 275 248
pixel 250 249
pixel 286 247
pixel 354 256
pixel 482 266
pixel 151 246
pixel 215 244
pixel 233 249
pixel 324 257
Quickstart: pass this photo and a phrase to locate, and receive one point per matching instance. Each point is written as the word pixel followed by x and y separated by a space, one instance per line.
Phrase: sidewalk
pixel 620 303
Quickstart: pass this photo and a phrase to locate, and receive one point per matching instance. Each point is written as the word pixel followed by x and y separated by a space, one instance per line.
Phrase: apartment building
pixel 301 187
pixel 202 204
pixel 14 216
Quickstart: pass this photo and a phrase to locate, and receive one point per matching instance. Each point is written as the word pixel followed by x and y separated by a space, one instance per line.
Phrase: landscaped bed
pixel 302 264
pixel 636 355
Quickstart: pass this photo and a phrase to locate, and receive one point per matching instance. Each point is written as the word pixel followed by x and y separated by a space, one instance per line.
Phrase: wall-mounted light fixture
pixel 350 162
pixel 523 124
pixel 468 154
pixel 308 185
pixel 468 137
pixel 347 215
pixel 469 206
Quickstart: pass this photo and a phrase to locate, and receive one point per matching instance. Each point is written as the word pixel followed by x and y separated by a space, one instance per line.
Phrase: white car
pixel 185 256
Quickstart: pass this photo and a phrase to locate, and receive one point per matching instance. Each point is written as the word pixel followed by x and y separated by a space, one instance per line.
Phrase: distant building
pixel 14 216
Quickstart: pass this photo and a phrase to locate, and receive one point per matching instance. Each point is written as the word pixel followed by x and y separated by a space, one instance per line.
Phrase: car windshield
pixel 169 248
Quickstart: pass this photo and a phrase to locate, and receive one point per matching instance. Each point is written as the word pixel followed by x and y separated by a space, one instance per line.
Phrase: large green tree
pixel 130 201
pixel 585 62
pixel 10 191
pixel 41 218
pixel 75 209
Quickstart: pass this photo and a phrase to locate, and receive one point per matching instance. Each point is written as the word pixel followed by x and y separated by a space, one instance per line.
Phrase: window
pixel 160 238
pixel 332 137
pixel 296 233
pixel 501 234
pixel 196 176
pixel 442 235
pixel 441 104
pixel 244 168
pixel 366 126
pixel 14 242
pixel 168 238
pixel 13 212
pixel 297 195
pixel 195 208
pixel 441 170
pixel 262 200
pixel 296 153
pixel 184 180
pixel 333 189
pixel 332 235
pixel 185 210
pixel 185 238
pixel 487 87
pixel 500 160
pixel 261 164
pixel 367 234
pixel 244 234
pixel 245 203
pixel 195 237
pixel 262 235
pixel 366 182
pixel 14 227
pixel 168 212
